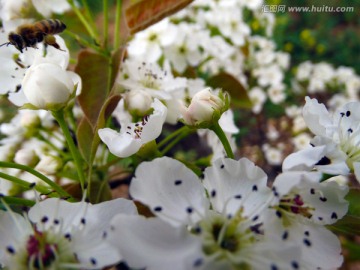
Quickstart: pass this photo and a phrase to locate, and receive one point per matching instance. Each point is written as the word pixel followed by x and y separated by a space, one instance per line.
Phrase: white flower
pixel 258 98
pixel 301 206
pixel 147 45
pixel 227 233
pixel 149 77
pixel 229 22
pixel 12 13
pixel 47 7
pixel 47 86
pixel 205 107
pixel 186 48
pixel 274 156
pixel 269 75
pixel 277 93
pixel 304 71
pixel 336 144
pixel 133 135
pixel 60 235
pixel 301 141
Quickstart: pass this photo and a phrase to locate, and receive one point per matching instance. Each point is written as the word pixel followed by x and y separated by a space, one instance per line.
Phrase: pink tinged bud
pixel 202 107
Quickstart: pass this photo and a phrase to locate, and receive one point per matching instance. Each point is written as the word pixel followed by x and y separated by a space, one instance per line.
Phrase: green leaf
pixel 145 13
pixel 228 83
pixel 348 225
pixel 353 197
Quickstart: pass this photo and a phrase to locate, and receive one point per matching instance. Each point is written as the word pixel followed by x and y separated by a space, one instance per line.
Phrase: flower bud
pixel 205 108
pixel 47 86
pixel 26 156
pixel 138 102
pixel 49 165
pixel 30 119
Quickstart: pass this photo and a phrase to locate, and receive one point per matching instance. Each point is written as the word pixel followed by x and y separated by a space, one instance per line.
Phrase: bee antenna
pixel 6 43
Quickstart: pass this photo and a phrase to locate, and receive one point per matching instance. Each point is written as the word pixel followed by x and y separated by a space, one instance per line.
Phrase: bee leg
pixel 50 40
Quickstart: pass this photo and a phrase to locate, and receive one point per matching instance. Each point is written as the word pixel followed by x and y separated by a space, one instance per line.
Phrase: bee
pixel 28 35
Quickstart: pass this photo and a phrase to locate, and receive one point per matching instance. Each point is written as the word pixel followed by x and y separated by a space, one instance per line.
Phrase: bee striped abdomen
pixel 50 26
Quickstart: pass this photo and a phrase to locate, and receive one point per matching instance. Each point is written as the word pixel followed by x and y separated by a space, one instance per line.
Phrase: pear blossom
pixel 147 45
pixel 133 135
pixel 185 49
pixel 221 231
pixel 335 145
pixel 46 7
pixel 60 235
pixel 258 98
pixel 149 77
pixel 12 13
pixel 301 206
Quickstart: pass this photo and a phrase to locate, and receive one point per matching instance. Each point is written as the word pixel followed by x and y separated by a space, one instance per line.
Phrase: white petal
pixel 153 244
pixel 320 248
pixel 153 127
pixel 14 230
pixel 304 159
pixel 233 184
pixel 327 199
pixel 285 181
pixel 317 117
pixel 119 144
pixel 94 253
pixel 357 170
pixel 171 190
pixel 72 214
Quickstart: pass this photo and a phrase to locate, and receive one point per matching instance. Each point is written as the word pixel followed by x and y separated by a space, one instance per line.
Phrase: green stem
pixel 59 116
pixel 174 141
pixel 222 137
pixel 89 16
pixel 17 201
pixel 17 181
pixel 84 21
pixel 173 135
pixel 106 22
pixel 85 43
pixel 117 23
pixel 42 177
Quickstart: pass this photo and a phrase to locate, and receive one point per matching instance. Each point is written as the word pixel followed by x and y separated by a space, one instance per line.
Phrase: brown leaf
pixel 144 13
